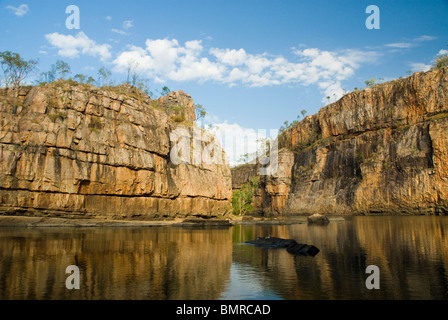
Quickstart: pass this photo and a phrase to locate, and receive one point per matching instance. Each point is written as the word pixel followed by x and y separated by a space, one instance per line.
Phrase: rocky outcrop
pixel 317 218
pixel 379 150
pixel 80 151
pixel 291 245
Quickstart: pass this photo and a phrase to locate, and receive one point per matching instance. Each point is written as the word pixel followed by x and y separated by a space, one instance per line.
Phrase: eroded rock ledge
pixel 79 151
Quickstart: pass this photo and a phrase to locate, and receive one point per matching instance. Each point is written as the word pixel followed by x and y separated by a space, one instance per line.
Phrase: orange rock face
pixel 380 150
pixel 82 151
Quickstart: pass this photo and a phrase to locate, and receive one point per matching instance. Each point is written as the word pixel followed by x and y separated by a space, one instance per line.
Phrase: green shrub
pixel 57 115
pixel 242 200
pixel 178 119
pixel 95 124
pixel 441 62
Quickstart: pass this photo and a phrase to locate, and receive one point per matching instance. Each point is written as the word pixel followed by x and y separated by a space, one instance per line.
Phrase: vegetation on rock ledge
pixel 242 200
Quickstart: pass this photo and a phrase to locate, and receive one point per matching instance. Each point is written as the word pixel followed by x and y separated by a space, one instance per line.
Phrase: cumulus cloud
pixel 72 46
pixel 167 59
pixel 164 58
pixel 20 10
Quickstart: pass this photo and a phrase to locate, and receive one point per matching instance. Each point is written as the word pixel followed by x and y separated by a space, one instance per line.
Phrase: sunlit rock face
pixel 76 150
pixel 379 150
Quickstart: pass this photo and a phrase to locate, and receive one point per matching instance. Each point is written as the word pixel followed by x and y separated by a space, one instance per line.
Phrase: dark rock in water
pixel 318 219
pixel 272 242
pixel 305 249
pixel 291 245
pixel 204 223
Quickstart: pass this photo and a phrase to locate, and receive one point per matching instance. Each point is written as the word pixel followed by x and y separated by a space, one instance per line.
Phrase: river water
pixel 150 263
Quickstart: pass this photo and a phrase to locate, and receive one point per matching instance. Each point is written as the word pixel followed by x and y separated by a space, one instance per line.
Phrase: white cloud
pixel 72 46
pixel 237 140
pixel 119 31
pixel 108 18
pixel 128 24
pixel 425 38
pixel 333 91
pixel 230 57
pixel 20 10
pixel 411 43
pixel 400 45
pixel 167 59
pixel 416 67
pixel 164 58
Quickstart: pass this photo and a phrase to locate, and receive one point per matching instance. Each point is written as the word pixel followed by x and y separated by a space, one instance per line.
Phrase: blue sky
pixel 251 63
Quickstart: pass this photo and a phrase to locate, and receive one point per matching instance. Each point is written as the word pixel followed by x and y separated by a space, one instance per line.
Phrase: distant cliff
pixel 379 150
pixel 79 151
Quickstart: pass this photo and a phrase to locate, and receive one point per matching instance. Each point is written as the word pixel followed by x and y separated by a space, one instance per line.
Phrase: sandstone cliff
pixel 76 150
pixel 378 150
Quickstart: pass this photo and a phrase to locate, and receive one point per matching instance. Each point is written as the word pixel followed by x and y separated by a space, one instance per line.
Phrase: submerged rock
pixel 291 245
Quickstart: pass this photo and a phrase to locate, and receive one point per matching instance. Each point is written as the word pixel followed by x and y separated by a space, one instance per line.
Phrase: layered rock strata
pixel 381 150
pixel 76 150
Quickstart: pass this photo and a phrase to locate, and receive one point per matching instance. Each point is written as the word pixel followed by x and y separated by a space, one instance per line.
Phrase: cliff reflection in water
pixel 178 263
pixel 116 263
pixel 411 253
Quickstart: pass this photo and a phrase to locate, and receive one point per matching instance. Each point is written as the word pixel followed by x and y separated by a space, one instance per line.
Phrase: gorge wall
pixel 381 150
pixel 79 151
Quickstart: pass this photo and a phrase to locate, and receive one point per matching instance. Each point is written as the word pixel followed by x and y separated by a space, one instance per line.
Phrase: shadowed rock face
pixel 74 150
pixel 378 150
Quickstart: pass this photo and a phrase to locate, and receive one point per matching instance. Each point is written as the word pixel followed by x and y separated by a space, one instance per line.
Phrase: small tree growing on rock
pixel 242 200
pixel 62 69
pixel 104 74
pixel 441 61
pixel 199 111
pixel 15 69
pixel 370 83
pixel 165 91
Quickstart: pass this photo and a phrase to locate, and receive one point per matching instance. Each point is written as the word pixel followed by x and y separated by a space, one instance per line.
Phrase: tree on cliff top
pixel 441 61
pixel 58 70
pixel 200 111
pixel 15 69
pixel 104 74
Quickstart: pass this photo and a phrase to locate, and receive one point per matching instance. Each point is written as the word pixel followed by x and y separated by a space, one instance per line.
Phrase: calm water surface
pixel 181 263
